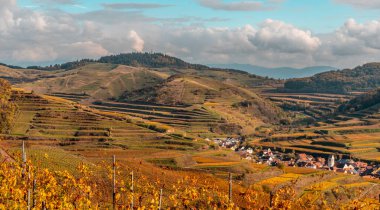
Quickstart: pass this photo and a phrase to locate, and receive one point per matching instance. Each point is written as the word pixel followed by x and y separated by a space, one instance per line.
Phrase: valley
pixel 162 124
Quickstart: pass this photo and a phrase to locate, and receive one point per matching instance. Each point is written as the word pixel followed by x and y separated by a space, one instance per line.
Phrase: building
pixel 331 161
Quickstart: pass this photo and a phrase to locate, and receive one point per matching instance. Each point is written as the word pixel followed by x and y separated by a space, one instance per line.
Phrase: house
pixel 309 158
pixel 302 158
pixel 268 152
pixel 321 160
pixel 310 165
pixel 352 171
pixel 361 164
pixel 349 169
pixel 319 164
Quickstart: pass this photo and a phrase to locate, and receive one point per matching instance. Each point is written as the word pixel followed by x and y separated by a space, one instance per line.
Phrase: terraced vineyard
pixel 195 120
pixel 315 105
pixel 71 97
pixel 355 134
pixel 70 124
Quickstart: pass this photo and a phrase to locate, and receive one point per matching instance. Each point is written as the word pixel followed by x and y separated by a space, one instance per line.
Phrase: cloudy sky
pixel 272 33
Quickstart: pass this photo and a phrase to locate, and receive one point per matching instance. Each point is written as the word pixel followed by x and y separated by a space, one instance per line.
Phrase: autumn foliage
pixel 24 184
pixel 7 108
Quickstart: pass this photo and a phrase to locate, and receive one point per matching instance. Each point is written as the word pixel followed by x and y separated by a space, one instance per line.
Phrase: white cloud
pixel 134 5
pixel 232 6
pixel 56 1
pixel 281 37
pixel 29 37
pixel 367 4
pixel 368 33
pixel 137 41
pixel 76 50
pixel 34 54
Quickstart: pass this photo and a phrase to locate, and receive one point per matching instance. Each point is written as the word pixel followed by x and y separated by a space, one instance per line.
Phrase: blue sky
pixel 272 33
pixel 319 16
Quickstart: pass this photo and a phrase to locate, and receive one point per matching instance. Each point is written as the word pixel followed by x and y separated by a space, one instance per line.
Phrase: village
pixel 336 163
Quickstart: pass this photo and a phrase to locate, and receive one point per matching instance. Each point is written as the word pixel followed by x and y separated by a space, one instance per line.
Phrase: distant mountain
pixel 277 73
pixel 10 66
pixel 361 78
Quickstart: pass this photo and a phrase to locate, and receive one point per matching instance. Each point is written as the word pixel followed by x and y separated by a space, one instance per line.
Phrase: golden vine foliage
pixel 47 189
pixel 89 190
pixel 7 108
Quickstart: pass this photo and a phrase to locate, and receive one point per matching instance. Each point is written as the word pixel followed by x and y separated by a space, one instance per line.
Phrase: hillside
pixel 7 107
pixel 224 99
pixel 189 90
pixel 241 108
pixel 69 147
pixel 111 76
pixel 362 102
pixel 361 78
pixel 277 73
pixel 18 75
pixel 150 60
pixel 100 81
pixel 57 121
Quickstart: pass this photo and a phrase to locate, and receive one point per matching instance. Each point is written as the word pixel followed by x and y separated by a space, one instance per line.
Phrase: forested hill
pixel 362 102
pixel 366 77
pixel 148 60
pixel 151 60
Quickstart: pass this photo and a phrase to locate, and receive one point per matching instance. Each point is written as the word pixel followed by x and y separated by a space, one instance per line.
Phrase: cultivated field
pixel 315 105
pixel 72 125
pixel 356 134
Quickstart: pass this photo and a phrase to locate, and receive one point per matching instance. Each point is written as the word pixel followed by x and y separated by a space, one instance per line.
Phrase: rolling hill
pixel 361 78
pixel 56 121
pixel 277 73
pixel 110 76
pixel 369 100
pixel 18 75
pixel 98 80
pixel 225 99
pixel 189 90
pixel 238 109
pixel 157 120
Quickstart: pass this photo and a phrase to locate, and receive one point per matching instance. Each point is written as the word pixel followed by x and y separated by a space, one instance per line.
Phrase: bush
pixel 153 127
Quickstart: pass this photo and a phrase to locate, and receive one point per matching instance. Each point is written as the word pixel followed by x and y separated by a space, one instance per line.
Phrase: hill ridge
pixel 361 78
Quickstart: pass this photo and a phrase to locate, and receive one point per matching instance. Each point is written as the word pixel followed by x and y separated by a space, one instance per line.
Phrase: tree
pixel 7 107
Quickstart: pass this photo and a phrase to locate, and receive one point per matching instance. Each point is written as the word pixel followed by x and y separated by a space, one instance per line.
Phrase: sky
pixel 271 33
